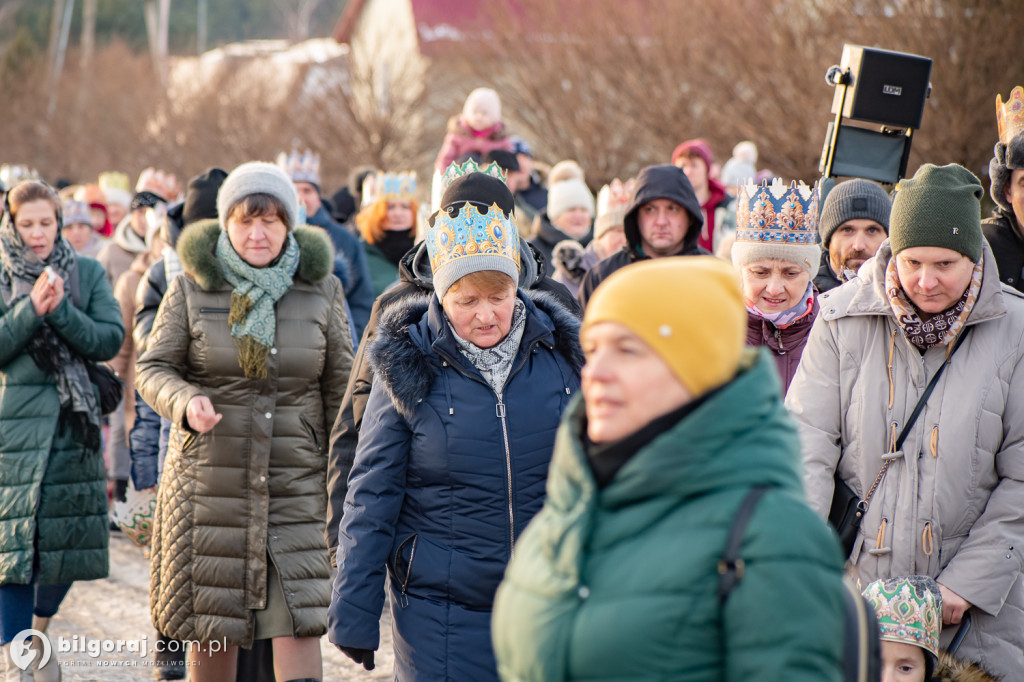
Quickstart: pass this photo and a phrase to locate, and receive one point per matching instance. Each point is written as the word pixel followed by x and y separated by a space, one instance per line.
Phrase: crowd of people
pixel 680 431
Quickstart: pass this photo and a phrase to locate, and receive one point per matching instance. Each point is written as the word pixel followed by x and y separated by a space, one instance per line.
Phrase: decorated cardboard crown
pixel 11 175
pixel 389 187
pixel 777 214
pixel 1010 115
pixel 615 196
pixel 456 171
pixel 301 167
pixel 135 516
pixel 908 610
pixel 469 233
pixel 114 180
pixel 160 183
pixel 74 211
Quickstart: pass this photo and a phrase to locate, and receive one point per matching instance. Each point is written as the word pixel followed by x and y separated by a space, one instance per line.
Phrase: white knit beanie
pixel 569 194
pixel 257 177
pixel 485 98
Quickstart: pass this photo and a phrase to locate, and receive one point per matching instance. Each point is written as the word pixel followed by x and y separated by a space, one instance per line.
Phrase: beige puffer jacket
pixel 256 484
pixel 951 505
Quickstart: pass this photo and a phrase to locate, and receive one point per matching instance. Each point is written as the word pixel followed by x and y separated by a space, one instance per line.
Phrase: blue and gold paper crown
pixel 304 167
pixel 777 214
pixel 389 187
pixel 470 233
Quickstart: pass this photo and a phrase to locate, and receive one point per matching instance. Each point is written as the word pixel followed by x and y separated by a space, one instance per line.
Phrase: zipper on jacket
pixel 500 411
pixel 778 340
pixel 225 311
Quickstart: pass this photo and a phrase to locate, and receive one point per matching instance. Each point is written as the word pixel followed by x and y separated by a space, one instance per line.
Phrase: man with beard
pixel 854 222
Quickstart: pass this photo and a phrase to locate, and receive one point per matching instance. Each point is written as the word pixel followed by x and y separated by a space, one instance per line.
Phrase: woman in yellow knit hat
pixel 617 577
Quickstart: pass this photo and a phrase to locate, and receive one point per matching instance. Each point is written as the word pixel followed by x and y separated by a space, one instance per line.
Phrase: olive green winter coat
pixel 620 583
pixel 49 486
pixel 256 483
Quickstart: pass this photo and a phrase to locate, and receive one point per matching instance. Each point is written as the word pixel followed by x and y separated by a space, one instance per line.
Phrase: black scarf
pixel 396 243
pixel 19 270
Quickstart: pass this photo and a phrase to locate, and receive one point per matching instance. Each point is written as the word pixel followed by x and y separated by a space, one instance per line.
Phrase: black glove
pixel 363 657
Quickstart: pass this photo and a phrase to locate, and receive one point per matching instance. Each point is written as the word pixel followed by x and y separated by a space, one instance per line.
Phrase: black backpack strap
pixel 731 566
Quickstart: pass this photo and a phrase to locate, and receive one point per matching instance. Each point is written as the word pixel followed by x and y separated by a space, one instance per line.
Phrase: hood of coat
pixel 953 670
pixel 415 266
pixel 865 294
pixel 197 250
pixel 403 355
pixel 127 239
pixel 739 436
pixel 663 182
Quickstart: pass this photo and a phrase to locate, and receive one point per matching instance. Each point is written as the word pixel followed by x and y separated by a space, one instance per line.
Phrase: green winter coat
pixel 383 273
pixel 50 487
pixel 620 583
pixel 256 484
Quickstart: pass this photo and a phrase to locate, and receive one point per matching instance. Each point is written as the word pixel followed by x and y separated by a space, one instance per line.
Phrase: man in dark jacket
pixel 1006 170
pixel 854 222
pixel 663 219
pixel 415 280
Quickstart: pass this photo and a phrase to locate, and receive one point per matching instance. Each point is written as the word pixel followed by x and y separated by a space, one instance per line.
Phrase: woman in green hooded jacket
pixel 617 577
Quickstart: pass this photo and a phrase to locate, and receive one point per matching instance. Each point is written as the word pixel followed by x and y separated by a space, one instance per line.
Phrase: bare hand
pixel 58 292
pixel 200 414
pixel 41 295
pixel 953 606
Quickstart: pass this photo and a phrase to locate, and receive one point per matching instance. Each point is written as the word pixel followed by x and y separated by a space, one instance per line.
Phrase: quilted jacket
pixel 49 488
pixel 446 477
pixel 254 486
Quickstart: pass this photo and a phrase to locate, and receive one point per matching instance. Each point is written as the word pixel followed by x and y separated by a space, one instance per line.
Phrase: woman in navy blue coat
pixel 455 445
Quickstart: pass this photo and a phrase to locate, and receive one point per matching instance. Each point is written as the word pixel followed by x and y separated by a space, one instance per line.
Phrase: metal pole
pixel 201 27
pixel 61 50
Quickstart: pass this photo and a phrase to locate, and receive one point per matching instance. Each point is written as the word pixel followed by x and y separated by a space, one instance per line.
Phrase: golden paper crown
pixel 1010 116
pixel 615 196
pixel 389 187
pixel 164 185
pixel 114 180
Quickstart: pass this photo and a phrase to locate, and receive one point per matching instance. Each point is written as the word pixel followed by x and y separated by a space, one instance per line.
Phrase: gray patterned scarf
pixel 495 362
pixel 19 270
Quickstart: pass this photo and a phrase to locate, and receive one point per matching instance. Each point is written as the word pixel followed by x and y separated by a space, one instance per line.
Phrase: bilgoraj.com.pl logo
pixel 22 652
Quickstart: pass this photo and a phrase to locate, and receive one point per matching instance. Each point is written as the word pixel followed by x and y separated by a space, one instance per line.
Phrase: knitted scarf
pixel 19 270
pixel 495 362
pixel 256 290
pixel 943 328
pixel 785 318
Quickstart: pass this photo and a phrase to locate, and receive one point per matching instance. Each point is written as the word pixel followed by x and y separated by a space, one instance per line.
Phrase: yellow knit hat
pixel 700 339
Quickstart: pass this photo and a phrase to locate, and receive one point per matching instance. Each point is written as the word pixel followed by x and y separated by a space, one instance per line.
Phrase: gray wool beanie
pixel 851 200
pixel 257 177
pixel 940 206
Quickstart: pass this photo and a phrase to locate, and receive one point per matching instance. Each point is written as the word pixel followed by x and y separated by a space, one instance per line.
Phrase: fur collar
pixel 953 670
pixel 196 250
pixel 407 366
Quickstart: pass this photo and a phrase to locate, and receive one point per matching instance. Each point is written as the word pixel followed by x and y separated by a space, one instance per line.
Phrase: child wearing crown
pixel 478 130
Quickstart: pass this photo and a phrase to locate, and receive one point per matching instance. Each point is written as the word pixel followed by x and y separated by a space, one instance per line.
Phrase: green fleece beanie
pixel 939 206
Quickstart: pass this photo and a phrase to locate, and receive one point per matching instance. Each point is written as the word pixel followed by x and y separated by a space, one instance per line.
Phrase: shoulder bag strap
pixel 731 566
pixel 922 401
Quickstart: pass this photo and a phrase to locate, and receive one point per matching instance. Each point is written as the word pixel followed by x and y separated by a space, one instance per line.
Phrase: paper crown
pixel 164 185
pixel 11 175
pixel 615 196
pixel 74 211
pixel 908 610
pixel 389 187
pixel 456 171
pixel 777 214
pixel 114 180
pixel 470 233
pixel 1010 115
pixel 304 167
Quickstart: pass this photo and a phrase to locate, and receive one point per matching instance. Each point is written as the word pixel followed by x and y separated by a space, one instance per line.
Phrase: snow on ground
pixel 118 609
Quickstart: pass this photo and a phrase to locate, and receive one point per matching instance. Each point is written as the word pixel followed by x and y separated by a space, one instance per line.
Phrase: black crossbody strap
pixel 919 408
pixel 730 566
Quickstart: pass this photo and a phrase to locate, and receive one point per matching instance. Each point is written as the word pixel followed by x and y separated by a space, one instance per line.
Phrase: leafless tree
pixel 297 15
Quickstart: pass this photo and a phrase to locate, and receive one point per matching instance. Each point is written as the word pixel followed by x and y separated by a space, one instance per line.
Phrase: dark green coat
pixel 383 273
pixel 255 484
pixel 620 583
pixel 48 485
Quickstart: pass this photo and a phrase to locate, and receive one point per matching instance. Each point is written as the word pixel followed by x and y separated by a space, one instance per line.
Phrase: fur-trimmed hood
pixel 197 250
pixel 1005 160
pixel 952 670
pixel 404 360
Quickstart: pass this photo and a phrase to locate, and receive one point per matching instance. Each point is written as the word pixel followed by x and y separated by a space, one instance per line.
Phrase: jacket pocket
pixel 948 547
pixel 215 311
pixel 402 561
pixel 314 433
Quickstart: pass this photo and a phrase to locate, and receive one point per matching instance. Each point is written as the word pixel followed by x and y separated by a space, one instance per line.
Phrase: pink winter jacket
pixel 460 141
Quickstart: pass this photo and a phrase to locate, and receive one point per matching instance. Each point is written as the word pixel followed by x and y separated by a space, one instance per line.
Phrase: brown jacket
pixel 124 362
pixel 255 485
pixel 951 505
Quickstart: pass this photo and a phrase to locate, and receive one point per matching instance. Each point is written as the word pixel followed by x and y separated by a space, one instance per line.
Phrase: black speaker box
pixel 884 87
